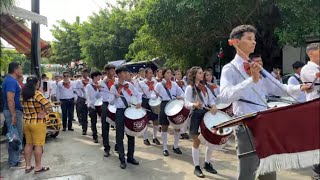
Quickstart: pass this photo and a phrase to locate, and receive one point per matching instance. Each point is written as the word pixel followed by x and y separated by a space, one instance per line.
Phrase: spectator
pixel 35 106
pixel 12 108
pixel 276 73
pixel 20 81
pixel 295 79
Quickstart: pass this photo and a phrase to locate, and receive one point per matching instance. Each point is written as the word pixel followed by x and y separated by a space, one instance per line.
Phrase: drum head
pixel 278 104
pixel 222 105
pixel 98 102
pixel 155 102
pixel 211 120
pixel 173 107
pixel 134 113
pixel 112 108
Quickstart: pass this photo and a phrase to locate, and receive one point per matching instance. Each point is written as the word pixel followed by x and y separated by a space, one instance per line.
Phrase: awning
pixel 19 36
pixel 25 14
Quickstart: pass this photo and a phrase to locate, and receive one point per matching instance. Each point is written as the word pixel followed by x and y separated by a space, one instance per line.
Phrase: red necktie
pixel 202 88
pixel 66 85
pixel 246 66
pixel 180 83
pixel 168 84
pixel 110 82
pixel 126 88
pixel 85 82
pixel 150 85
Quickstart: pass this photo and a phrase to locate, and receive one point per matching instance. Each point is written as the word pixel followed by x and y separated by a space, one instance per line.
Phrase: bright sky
pixel 64 9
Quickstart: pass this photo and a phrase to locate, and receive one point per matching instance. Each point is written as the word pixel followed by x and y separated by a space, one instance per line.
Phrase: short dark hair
pixel 43 76
pixel 159 69
pixel 253 55
pixel 13 66
pixel 312 47
pixel 238 31
pixel 120 69
pixel 148 69
pixel 297 65
pixel 164 70
pixel 65 72
pixel 95 74
pixel 85 70
pixel 108 67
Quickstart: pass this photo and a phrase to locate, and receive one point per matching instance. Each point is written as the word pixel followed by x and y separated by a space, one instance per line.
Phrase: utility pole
pixel 35 41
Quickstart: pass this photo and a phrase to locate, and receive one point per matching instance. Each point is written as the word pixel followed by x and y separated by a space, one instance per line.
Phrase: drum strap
pixel 250 102
pixel 125 102
pixel 200 96
pixel 211 90
pixel 167 90
pixel 298 79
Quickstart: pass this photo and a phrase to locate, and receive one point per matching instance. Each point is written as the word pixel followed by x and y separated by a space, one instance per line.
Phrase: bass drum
pixel 98 106
pixel 177 113
pixel 210 120
pixel 111 114
pixel 155 105
pixel 277 104
pixel 135 121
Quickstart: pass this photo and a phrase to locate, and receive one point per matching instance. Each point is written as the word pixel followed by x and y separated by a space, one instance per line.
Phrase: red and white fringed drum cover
pixel 287 137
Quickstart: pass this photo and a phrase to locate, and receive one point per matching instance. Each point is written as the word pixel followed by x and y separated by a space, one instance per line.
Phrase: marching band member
pixel 198 96
pixel 242 85
pixel 147 88
pixel 276 73
pixel 122 93
pixel 106 84
pixel 141 75
pixel 159 75
pixel 92 92
pixel 310 73
pixel 168 90
pixel 209 83
pixel 81 106
pixel 295 79
pixel 182 85
pixel 66 95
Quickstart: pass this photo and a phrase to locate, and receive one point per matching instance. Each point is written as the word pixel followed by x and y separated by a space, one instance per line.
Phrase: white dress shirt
pixel 233 87
pixel 117 101
pixel 184 85
pixel 105 91
pixel 293 81
pixel 54 88
pixel 144 88
pixel 308 75
pixel 80 88
pixel 190 99
pixel 175 91
pixel 92 95
pixel 64 93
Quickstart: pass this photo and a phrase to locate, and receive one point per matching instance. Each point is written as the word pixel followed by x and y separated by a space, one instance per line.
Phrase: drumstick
pixel 141 107
pixel 314 81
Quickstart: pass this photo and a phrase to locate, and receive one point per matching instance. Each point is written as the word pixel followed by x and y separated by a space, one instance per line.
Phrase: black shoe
pixel 112 127
pixel 209 168
pixel 123 165
pixel 185 136
pixel 177 151
pixel 73 120
pixel 95 141
pixel 70 129
pixel 64 129
pixel 146 142
pixel 132 161
pixel 115 148
pixel 106 154
pixel 84 133
pixel 165 153
pixel 198 172
pixel 156 141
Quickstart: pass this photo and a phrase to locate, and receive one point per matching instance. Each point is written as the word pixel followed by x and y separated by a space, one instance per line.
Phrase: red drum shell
pixel 179 118
pixel 99 110
pixel 227 108
pixel 211 136
pixel 135 127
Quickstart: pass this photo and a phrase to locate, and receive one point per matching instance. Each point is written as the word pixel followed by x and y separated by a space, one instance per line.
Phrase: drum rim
pixel 155 100
pixel 145 113
pixel 165 108
pixel 219 108
pixel 112 106
pixel 224 133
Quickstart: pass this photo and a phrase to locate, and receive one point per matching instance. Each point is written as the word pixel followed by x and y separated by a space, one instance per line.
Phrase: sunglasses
pixel 65 75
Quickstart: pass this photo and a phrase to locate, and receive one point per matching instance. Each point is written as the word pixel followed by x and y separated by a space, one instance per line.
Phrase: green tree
pixel 8 56
pixel 7 3
pixel 66 47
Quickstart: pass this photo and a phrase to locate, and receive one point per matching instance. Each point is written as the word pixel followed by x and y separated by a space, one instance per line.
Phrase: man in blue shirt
pixel 12 109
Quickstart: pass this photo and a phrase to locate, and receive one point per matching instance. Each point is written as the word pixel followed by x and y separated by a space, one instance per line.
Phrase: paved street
pixel 72 156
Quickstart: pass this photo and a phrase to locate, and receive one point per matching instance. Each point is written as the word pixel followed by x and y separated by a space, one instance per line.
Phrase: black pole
pixel 35 41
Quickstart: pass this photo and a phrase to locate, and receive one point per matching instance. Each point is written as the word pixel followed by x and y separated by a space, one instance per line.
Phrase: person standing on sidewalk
pixel 66 95
pixel 12 108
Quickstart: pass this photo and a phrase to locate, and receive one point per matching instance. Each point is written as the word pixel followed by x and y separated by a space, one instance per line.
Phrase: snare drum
pixel 135 121
pixel 177 113
pixel 111 114
pixel 155 105
pixel 227 108
pixel 210 120
pixel 276 104
pixel 98 106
